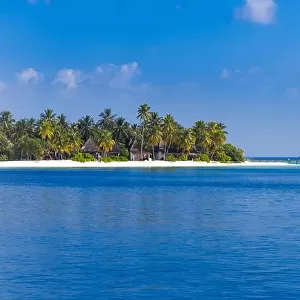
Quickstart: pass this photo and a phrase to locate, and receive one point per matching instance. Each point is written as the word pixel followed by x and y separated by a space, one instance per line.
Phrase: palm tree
pixel 75 141
pixel 154 136
pixel 48 115
pixel 6 145
pixel 6 122
pixel 217 134
pixel 60 142
pixel 131 136
pixel 203 141
pixel 155 119
pixel 46 130
pixel 169 127
pixel 154 132
pixel 86 126
pixel 29 148
pixel 105 141
pixel 187 140
pixel 106 120
pixel 62 120
pixel 144 115
pixel 24 127
pixel 121 130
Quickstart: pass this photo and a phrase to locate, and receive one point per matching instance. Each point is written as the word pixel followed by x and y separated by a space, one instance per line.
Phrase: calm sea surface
pixel 150 234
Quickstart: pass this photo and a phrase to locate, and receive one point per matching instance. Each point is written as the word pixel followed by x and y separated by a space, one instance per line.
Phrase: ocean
pixel 150 233
pixel 285 159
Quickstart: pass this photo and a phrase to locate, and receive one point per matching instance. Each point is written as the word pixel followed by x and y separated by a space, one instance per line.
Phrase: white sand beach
pixel 135 164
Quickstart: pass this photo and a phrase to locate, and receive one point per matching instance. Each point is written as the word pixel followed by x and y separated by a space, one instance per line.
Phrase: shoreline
pixel 135 164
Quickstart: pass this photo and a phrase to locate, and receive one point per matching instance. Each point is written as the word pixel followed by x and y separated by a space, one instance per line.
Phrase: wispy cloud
pixel 70 78
pixel 255 70
pixel 29 75
pixel 117 76
pixel 258 11
pixel 3 87
pixel 125 75
pixel 225 74
pixel 228 73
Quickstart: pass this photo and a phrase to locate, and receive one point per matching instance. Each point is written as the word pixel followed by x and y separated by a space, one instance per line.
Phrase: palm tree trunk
pixel 153 152
pixel 169 146
pixel 213 153
pixel 142 142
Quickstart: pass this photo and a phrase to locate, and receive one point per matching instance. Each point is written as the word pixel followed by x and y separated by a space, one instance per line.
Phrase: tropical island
pixel 113 139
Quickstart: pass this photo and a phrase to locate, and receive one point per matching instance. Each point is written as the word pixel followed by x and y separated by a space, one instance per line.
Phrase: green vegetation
pixel 114 158
pixel 52 136
pixel 83 157
pixel 223 158
pixel 236 154
pixel 3 157
pixel 203 157
pixel 171 158
pixel 182 157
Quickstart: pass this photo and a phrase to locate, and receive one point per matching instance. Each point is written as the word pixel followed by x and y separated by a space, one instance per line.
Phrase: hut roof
pixel 90 146
pixel 115 149
pixel 136 148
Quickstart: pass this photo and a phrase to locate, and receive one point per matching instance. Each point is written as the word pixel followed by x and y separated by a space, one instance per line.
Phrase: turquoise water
pixel 290 159
pixel 150 234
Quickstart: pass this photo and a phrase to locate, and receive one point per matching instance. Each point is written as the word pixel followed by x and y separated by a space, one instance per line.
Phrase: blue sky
pixel 233 61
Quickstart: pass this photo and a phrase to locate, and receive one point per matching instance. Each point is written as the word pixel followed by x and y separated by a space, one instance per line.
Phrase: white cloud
pixel 29 75
pixel 118 77
pixel 292 92
pixel 225 74
pixel 123 78
pixel 258 11
pixel 69 77
pixel 3 87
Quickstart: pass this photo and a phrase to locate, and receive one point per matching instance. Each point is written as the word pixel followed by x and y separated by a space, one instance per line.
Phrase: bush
pixel 3 157
pixel 106 159
pixel 114 158
pixel 171 157
pixel 83 157
pixel 236 154
pixel 124 151
pixel 202 157
pixel 223 158
pixel 182 157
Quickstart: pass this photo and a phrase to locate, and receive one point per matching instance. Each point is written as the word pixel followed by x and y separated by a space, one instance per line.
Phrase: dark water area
pixel 150 234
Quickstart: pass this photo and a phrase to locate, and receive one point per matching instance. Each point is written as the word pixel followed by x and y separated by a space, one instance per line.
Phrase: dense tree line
pixel 51 136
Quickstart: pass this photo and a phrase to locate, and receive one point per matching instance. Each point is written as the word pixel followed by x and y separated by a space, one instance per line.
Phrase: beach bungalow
pixel 135 153
pixel 159 152
pixel 115 151
pixel 91 147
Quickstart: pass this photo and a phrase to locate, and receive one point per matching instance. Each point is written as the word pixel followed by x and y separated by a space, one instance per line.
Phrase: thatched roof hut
pixel 135 153
pixel 115 150
pixel 90 146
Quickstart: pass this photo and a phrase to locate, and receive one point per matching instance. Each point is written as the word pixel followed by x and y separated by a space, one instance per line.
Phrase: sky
pixel 232 61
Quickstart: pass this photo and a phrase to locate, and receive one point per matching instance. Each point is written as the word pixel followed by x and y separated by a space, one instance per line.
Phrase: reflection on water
pixel 150 234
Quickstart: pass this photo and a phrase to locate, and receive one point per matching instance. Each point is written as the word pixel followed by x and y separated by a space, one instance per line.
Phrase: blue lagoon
pixel 150 234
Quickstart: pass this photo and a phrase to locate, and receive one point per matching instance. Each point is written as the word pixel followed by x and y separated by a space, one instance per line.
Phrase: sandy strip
pixel 133 164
